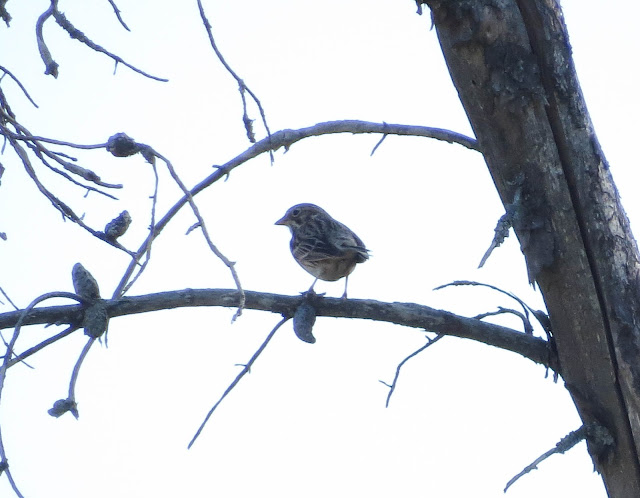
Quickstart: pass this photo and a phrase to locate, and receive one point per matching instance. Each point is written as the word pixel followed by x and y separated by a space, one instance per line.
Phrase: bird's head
pixel 300 214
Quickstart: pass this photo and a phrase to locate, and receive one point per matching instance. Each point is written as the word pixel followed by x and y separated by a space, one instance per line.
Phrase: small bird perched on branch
pixel 323 246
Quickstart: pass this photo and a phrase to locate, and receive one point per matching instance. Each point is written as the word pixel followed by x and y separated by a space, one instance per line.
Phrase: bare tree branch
pixel 392 386
pixel 541 316
pixel 5 365
pixel 229 264
pixel 76 372
pixel 64 209
pixel 52 66
pixel 242 87
pixel 528 328
pixel 33 350
pixel 17 81
pixel 116 10
pixel 285 138
pixel 246 369
pixel 76 34
pixel 564 445
pixel 406 314
pixel 4 15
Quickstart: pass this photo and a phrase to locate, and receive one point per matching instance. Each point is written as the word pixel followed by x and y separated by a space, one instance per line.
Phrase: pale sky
pixel 310 420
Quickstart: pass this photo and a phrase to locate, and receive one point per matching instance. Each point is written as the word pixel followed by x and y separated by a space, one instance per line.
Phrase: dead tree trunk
pixel 510 61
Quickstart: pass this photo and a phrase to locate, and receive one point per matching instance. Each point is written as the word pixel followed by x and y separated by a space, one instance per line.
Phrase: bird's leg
pixel 311 293
pixel 346 281
pixel 311 288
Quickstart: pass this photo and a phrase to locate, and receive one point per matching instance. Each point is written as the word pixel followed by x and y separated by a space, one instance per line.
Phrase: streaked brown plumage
pixel 323 246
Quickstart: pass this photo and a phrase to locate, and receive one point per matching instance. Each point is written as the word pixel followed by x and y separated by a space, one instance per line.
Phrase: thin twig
pixel 6 360
pixel 125 284
pixel 244 371
pixel 40 150
pixel 51 66
pixel 66 211
pixel 35 138
pixel 564 445
pixel 17 81
pixel 242 86
pixel 32 350
pixel 505 223
pixel 392 386
pixel 524 305
pixel 378 144
pixel 76 369
pixel 528 328
pixel 205 232
pixel 117 12
pixel 8 298
pixel 76 34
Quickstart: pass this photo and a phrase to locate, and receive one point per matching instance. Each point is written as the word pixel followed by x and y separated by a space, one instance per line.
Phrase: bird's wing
pixel 314 248
pixel 321 239
pixel 313 242
pixel 345 241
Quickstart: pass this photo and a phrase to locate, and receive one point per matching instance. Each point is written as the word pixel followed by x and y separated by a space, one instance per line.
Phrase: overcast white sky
pixel 310 419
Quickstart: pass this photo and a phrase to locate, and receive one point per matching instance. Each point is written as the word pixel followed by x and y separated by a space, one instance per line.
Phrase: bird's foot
pixel 310 294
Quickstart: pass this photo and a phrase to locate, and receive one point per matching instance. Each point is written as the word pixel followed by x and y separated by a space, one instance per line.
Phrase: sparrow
pixel 324 247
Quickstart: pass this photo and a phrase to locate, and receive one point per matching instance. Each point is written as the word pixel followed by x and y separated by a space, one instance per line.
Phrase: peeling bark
pixel 510 61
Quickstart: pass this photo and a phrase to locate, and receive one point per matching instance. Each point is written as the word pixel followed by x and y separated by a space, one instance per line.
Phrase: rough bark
pixel 406 314
pixel 510 61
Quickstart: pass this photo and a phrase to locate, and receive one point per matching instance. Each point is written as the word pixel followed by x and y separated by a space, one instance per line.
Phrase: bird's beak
pixel 282 221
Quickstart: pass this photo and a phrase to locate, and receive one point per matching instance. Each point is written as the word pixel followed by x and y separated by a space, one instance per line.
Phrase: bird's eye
pixel 295 212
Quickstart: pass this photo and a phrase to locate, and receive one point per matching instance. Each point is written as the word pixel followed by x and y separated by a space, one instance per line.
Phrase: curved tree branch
pixel 286 138
pixel 406 314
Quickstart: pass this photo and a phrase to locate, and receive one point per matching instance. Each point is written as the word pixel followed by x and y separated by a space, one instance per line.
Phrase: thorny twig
pixel 242 373
pixel 392 386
